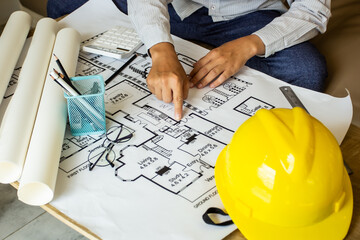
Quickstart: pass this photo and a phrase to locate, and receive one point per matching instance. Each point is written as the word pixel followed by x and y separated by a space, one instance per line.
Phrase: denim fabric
pixel 301 65
pixel 58 8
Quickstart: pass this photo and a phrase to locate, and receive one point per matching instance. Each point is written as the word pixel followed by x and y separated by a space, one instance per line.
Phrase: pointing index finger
pixel 178 103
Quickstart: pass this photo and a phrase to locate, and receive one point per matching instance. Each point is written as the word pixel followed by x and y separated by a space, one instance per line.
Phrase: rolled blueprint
pixel 37 183
pixel 11 43
pixel 19 118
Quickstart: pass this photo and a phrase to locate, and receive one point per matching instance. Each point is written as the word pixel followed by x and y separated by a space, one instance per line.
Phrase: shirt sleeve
pixel 304 20
pixel 151 20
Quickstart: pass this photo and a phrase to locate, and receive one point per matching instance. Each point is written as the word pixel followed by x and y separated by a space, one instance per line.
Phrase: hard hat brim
pixel 334 226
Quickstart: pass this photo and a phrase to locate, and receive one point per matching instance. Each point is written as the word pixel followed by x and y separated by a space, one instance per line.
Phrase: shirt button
pixel 213 7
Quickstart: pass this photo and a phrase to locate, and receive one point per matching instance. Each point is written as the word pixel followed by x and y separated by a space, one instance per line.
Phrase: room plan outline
pixel 177 156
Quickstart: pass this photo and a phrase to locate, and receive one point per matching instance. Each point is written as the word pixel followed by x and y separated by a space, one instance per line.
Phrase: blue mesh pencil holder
pixel 87 111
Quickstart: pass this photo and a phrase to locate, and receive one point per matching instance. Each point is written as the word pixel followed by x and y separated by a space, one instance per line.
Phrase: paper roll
pixel 19 118
pixel 37 183
pixel 11 43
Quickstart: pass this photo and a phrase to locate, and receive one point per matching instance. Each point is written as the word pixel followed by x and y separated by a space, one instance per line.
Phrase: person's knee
pixel 301 65
pixel 121 5
pixel 311 70
pixel 59 8
pixel 320 74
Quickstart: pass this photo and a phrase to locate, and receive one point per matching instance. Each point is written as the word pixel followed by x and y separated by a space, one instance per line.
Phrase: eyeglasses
pixel 104 154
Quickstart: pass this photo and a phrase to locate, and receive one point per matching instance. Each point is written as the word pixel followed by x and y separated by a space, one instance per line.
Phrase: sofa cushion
pixel 38 6
pixel 340 45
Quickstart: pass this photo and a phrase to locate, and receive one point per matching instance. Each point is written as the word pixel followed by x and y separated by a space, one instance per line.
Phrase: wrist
pixel 163 49
pixel 256 45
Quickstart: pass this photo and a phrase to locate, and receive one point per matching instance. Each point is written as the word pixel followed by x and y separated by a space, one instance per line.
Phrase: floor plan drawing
pixel 147 160
pixel 178 157
pixel 150 176
pixel 12 83
pixel 146 150
pixel 251 105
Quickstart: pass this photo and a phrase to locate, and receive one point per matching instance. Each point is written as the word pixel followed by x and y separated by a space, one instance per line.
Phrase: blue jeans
pixel 58 8
pixel 301 65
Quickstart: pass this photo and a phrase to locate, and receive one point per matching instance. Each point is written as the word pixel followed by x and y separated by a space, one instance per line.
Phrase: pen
pixel 120 69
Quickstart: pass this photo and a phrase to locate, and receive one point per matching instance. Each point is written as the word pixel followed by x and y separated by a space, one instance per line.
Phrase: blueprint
pixel 178 157
pixel 159 180
pixel 166 164
pixel 152 177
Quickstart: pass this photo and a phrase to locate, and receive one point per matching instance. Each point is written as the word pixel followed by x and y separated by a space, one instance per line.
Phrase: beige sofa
pixel 340 45
pixel 38 6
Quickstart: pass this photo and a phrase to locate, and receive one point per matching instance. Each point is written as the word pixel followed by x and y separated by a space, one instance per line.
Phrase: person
pixel 266 35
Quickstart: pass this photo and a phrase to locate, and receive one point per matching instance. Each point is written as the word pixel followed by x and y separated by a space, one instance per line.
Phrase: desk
pixel 351 154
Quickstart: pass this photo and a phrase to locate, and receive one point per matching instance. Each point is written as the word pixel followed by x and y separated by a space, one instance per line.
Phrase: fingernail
pixel 178 116
pixel 199 85
pixel 212 85
pixel 191 84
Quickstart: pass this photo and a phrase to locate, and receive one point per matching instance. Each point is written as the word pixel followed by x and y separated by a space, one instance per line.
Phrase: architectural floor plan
pixel 150 169
pixel 151 176
pixel 178 157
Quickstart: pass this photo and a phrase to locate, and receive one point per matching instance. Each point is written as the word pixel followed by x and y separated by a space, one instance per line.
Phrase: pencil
pixel 65 90
pixel 64 74
pixel 55 76
pixel 57 60
pixel 86 108
pixel 68 81
pixel 120 69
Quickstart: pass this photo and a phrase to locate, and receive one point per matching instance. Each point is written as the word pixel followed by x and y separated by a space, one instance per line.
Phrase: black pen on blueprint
pixel 64 75
pixel 121 68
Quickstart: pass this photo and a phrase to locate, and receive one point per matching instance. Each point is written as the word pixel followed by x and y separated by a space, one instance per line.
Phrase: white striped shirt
pixel 301 22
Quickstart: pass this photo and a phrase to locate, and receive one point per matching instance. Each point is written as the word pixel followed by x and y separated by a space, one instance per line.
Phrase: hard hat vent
pixel 291 140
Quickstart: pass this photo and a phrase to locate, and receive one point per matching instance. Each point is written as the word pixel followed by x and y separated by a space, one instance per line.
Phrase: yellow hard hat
pixel 282 177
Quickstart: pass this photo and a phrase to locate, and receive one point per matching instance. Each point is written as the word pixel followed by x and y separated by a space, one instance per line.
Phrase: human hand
pixel 167 78
pixel 224 61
